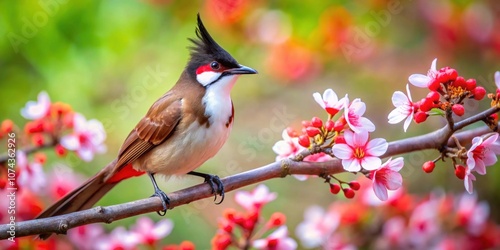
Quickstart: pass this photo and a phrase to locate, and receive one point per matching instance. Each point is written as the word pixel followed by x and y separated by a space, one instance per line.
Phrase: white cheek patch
pixel 207 77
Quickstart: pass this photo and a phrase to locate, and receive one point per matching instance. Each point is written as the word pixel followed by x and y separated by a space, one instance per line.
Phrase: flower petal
pixel 380 191
pixel 351 165
pixel 318 99
pixel 419 80
pixel 377 147
pixel 497 79
pixel 342 151
pixel 371 162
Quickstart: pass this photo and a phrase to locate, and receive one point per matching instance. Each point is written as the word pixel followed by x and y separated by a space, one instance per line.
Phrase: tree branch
pixel 60 224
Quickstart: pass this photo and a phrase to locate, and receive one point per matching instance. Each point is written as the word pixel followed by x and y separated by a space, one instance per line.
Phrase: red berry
pixel 304 141
pixel 460 171
pixel 433 96
pixel 329 125
pixel 316 122
pixel 420 117
pixel 428 166
pixel 479 93
pixel 348 193
pixel 458 109
pixel 312 131
pixel 354 185
pixel 334 188
pixel 470 84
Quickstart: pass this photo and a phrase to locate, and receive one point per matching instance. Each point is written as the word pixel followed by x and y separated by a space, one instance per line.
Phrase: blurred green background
pixel 110 60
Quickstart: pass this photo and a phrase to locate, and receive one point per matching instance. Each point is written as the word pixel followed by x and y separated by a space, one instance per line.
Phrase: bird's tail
pixel 86 195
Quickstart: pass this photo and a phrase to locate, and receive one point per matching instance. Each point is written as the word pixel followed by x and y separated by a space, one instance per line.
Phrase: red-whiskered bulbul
pixel 183 129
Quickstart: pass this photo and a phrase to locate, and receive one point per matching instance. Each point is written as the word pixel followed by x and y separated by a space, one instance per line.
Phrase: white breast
pixel 188 150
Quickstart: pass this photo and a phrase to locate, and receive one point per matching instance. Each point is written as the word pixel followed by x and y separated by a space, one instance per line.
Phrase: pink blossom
pixel 288 147
pixel 394 231
pixel 39 109
pixel 387 177
pixel 358 152
pixel 329 101
pixel 423 81
pixel 119 238
pixel 85 237
pixel 424 223
pixel 469 177
pixel 31 175
pixel 482 153
pixel 62 181
pixel 404 108
pixel 87 138
pixel 497 79
pixel 148 232
pixel 353 116
pixel 255 199
pixel 278 240
pixel 471 214
pixel 317 226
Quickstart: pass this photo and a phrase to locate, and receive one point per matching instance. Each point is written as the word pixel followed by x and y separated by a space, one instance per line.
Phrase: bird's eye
pixel 215 65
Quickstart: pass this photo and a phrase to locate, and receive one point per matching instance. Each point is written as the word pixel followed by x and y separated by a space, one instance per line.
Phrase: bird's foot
pixel 215 183
pixel 165 201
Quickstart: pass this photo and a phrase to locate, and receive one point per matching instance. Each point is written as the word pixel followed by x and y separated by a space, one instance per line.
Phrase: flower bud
pixel 316 122
pixel 354 185
pixel 60 150
pixel 329 125
pixel 460 171
pixel 479 93
pixel 277 219
pixel 470 84
pixel 433 96
pixel 334 188
pixel 304 141
pixel 458 109
pixel 428 166
pixel 348 193
pixel 312 131
pixel 420 117
pixel 6 127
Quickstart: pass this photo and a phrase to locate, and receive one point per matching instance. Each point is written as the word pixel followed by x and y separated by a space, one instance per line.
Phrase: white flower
pixel 317 226
pixel 148 232
pixel 329 101
pixel 404 108
pixel 36 110
pixel 423 81
pixel 31 175
pixel 353 115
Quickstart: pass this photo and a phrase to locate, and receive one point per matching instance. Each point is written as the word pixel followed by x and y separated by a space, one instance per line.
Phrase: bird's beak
pixel 242 70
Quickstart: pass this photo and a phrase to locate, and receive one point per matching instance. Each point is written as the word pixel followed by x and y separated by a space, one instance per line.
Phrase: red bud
pixel 329 125
pixel 426 104
pixel 420 117
pixel 312 131
pixel 479 93
pixel 354 185
pixel 6 127
pixel 433 96
pixel 277 219
pixel 38 139
pixel 334 188
pixel 349 193
pixel 460 171
pixel 470 84
pixel 428 166
pixel 316 122
pixel 458 109
pixel 60 150
pixel 304 141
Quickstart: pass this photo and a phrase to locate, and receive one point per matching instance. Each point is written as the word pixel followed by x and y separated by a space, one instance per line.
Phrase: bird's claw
pixel 165 201
pixel 215 182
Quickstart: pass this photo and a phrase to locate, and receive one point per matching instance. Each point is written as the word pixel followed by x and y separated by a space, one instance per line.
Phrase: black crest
pixel 206 50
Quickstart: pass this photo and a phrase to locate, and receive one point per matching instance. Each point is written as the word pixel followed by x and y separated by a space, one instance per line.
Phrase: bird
pixel 181 130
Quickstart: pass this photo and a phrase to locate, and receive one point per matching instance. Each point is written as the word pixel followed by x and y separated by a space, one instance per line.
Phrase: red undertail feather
pixel 126 172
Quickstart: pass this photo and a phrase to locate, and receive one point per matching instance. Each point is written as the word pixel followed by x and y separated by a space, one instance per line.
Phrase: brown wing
pixel 153 129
